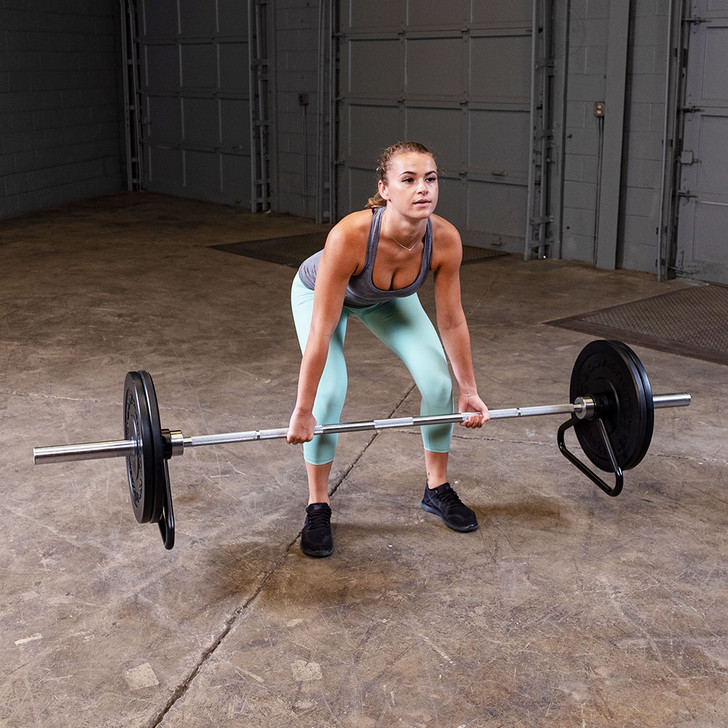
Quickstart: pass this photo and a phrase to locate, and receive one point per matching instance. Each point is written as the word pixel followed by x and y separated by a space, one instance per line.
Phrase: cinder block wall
pixel 296 40
pixel 61 131
pixel 586 83
pixel 643 132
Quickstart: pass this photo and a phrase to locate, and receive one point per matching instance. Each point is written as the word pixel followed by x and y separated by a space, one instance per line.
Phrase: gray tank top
pixel 361 291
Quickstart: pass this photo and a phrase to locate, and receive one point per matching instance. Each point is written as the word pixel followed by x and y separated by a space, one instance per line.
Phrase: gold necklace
pixel 411 247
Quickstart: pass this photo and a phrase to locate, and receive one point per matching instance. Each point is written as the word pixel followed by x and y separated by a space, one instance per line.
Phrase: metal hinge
pixel 685 194
pixel 690 109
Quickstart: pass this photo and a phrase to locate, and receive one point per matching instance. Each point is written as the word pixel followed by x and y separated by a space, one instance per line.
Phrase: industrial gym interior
pixel 165 166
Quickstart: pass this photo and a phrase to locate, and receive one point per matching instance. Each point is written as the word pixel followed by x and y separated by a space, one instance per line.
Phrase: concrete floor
pixel 566 608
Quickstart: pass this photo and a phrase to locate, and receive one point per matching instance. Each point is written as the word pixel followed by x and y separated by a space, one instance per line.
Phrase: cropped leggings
pixel 405 328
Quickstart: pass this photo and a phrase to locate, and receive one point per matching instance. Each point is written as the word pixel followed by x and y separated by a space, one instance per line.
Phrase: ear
pixel 382 188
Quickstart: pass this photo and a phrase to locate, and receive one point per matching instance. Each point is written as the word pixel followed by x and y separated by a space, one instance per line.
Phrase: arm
pixel 451 321
pixel 339 261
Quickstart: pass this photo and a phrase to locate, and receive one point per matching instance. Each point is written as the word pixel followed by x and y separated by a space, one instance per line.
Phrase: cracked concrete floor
pixel 566 608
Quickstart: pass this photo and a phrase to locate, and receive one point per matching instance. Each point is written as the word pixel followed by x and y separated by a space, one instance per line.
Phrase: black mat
pixel 692 322
pixel 294 249
pixel 290 251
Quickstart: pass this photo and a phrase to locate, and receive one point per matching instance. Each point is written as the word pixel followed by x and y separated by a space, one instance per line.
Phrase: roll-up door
pixel 702 246
pixel 194 98
pixel 455 76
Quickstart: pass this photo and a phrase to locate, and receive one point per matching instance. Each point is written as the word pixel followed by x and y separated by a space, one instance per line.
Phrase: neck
pixel 406 235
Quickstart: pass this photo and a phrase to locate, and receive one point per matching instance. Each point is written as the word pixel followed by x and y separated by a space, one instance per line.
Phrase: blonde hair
pixel 386 160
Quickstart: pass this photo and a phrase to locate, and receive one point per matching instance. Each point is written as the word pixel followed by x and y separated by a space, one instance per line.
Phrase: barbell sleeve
pixel 676 399
pixel 84 451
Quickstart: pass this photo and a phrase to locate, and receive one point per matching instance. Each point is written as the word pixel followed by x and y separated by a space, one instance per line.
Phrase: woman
pixel 374 262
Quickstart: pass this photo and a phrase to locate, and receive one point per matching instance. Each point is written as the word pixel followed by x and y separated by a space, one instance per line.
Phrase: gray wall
pixel 60 111
pixel 639 204
pixel 637 194
pixel 295 69
pixel 644 137
pixel 194 99
pixel 61 114
pixel 455 76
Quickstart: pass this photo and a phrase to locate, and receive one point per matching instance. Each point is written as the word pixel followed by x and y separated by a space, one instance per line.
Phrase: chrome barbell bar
pixel 581 408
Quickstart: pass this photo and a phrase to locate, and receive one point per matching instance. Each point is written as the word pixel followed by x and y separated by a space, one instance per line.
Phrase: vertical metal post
pixel 333 94
pixel 258 62
pixel 132 100
pixel 538 240
pixel 615 101
pixel 321 105
pixel 672 134
pixel 561 30
pixel 325 123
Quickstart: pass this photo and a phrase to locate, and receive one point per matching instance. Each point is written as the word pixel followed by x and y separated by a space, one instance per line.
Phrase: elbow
pixel 451 324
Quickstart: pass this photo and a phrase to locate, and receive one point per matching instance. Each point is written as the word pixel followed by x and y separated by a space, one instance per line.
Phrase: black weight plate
pixel 157 491
pixel 139 465
pixel 611 373
pixel 650 424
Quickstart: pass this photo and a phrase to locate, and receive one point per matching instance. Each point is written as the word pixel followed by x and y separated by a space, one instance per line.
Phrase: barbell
pixel 611 411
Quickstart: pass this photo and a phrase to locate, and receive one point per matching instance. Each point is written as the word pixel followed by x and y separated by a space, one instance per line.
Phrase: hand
pixel 473 403
pixel 300 428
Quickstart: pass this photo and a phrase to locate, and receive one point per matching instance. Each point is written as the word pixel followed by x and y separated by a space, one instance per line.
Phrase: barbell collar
pixel 585 407
pixel 174 442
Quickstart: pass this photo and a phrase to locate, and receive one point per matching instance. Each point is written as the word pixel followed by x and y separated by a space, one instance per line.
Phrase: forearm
pixel 302 422
pixel 456 340
pixel 312 367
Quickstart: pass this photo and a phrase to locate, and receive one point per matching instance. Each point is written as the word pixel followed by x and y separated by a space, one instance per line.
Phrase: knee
pixel 329 402
pixel 437 390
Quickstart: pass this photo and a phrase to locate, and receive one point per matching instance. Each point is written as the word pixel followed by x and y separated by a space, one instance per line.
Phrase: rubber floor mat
pixel 294 249
pixel 692 322
pixel 290 251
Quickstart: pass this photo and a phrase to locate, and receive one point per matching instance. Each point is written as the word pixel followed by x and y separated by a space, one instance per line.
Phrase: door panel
pixel 195 99
pixel 702 245
pixel 455 76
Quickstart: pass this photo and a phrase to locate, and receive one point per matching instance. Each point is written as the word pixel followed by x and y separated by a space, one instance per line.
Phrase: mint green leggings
pixel 405 328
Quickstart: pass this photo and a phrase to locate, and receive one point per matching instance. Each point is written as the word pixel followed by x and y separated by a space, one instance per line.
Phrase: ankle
pixel 435 487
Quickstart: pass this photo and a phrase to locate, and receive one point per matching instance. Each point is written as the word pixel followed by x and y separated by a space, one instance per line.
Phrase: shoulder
pixel 353 225
pixel 346 243
pixel 443 231
pixel 447 247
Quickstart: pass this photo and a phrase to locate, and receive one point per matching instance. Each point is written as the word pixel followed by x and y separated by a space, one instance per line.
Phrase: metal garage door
pixel 702 242
pixel 193 93
pixel 457 77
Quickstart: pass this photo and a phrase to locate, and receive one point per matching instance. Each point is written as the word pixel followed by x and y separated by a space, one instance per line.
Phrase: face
pixel 411 185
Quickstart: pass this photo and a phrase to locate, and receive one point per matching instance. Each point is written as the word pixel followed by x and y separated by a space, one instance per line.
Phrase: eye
pixel 431 179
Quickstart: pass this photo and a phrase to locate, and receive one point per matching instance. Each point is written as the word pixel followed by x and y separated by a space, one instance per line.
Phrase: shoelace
pixel 318 519
pixel 450 499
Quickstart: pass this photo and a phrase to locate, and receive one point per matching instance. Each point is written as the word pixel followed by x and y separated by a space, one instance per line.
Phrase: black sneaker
pixel 443 501
pixel 316 538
